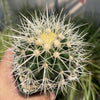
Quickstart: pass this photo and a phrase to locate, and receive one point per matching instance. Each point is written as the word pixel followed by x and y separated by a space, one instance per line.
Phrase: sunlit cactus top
pixel 49 55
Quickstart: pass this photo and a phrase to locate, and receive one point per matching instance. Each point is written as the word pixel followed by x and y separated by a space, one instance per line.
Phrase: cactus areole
pixel 49 55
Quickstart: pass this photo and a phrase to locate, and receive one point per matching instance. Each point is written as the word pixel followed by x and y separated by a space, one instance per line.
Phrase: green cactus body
pixel 48 55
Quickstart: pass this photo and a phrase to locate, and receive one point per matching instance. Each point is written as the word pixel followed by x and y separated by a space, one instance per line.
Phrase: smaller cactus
pixel 49 55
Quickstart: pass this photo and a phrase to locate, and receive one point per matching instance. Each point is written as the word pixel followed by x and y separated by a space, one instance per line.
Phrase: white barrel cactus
pixel 49 55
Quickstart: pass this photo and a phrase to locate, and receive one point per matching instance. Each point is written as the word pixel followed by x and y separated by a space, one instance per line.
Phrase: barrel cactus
pixel 49 55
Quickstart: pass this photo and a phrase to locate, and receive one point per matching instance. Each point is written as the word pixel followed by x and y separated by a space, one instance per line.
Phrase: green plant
pixel 4 41
pixel 49 55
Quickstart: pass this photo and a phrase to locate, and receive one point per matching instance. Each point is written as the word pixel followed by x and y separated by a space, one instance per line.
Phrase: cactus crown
pixel 49 55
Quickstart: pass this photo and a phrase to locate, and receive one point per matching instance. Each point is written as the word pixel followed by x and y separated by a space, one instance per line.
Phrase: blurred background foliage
pixel 90 89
